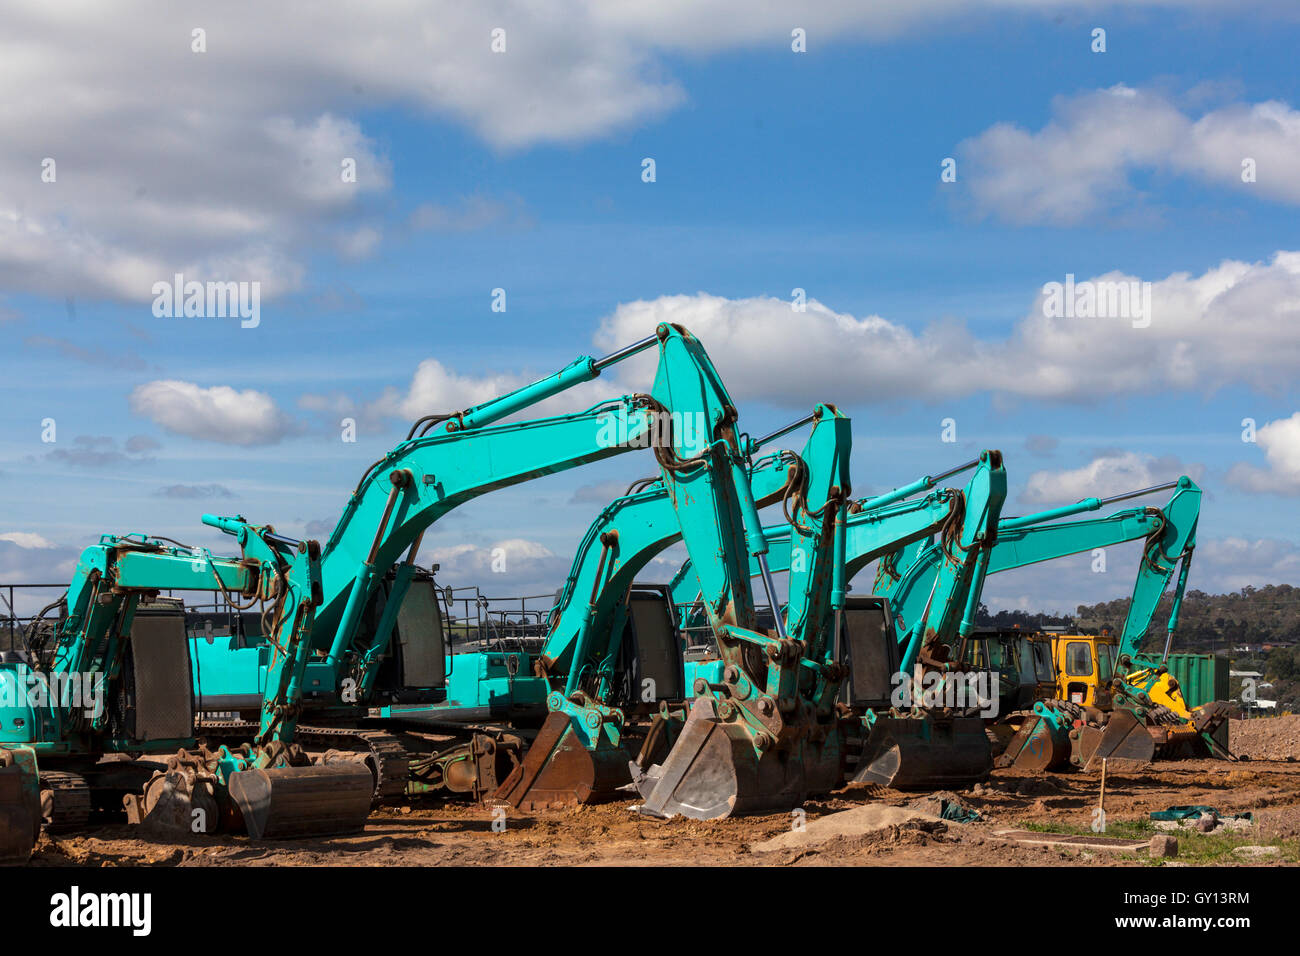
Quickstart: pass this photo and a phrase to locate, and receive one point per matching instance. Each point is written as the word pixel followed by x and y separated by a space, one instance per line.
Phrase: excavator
pixel 1120 705
pixel 449 459
pixel 111 678
pixel 1078 723
pixel 582 750
pixel 900 649
pixel 766 736
pixel 611 653
pixel 321 594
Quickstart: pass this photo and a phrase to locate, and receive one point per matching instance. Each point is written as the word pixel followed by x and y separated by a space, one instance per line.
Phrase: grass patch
pixel 1198 849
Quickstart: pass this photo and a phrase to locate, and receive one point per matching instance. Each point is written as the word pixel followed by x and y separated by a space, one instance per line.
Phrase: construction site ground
pixel 857 826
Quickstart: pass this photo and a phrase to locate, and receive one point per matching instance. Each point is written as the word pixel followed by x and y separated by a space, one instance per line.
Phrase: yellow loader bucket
pixel 714 771
pixel 925 753
pixel 20 808
pixel 317 800
pixel 558 770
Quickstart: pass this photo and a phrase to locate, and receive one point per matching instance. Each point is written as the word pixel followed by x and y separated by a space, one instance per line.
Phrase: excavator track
pixel 388 759
pixel 65 801
pixel 384 754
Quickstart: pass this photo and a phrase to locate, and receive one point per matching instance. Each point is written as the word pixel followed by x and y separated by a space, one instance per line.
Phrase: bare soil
pixel 1266 738
pixel 431 833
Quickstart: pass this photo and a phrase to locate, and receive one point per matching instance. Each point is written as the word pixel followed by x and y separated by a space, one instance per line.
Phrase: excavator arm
pixel 580 752
pixel 766 735
pixel 448 460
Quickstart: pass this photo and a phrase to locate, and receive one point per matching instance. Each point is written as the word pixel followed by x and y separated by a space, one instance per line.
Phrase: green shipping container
pixel 1201 677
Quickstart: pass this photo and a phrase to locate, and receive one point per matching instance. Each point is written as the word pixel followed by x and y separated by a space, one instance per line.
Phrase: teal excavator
pixel 1060 731
pixel 766 736
pixel 111 678
pixel 321 594
pixel 1126 705
pixel 898 646
pixel 611 654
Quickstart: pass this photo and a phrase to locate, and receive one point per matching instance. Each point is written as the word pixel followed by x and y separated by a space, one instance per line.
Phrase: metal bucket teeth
pixel 921 753
pixel 558 770
pixel 291 802
pixel 713 771
pixel 1125 738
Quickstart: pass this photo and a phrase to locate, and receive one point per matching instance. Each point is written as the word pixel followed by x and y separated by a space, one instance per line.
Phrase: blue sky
pixel 774 170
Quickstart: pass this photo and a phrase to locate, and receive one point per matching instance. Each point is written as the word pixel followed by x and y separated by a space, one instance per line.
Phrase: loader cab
pixel 1084 665
pixel 1023 665
pixel 415 668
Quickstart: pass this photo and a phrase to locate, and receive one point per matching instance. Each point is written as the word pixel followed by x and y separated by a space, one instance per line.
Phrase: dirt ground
pixel 1266 738
pixel 431 833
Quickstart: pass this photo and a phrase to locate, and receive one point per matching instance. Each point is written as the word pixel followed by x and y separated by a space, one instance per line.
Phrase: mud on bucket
pixel 318 800
pixel 923 753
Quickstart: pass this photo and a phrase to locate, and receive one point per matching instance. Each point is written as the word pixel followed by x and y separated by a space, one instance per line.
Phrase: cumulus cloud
pixel 1081 163
pixel 234 161
pixel 512 566
pixel 27 540
pixel 1107 474
pixel 1281 443
pixel 1234 323
pixel 219 413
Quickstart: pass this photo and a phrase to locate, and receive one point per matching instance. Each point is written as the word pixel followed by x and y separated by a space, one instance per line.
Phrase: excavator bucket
pixel 713 771
pixel 559 770
pixel 1038 745
pixel 20 807
pixel 1125 738
pixel 923 753
pixel 317 800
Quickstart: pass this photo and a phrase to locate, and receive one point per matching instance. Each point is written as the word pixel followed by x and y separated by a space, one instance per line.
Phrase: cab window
pixel 1078 659
pixel 1105 662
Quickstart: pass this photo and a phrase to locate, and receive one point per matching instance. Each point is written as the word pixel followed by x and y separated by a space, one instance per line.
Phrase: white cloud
pixel 1281 443
pixel 512 566
pixel 1079 164
pixel 27 540
pixel 436 389
pixel 1234 323
pixel 1105 475
pixel 219 413
pixel 1229 564
pixel 226 164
